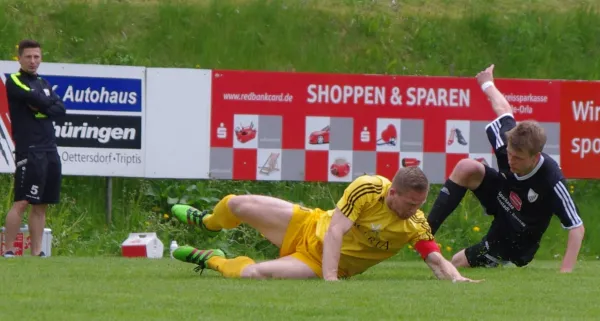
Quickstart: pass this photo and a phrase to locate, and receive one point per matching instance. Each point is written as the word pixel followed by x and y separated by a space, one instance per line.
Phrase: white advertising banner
pixel 178 116
pixel 103 133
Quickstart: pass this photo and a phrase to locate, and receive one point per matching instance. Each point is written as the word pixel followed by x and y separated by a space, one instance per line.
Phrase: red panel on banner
pixel 531 99
pixel 387 164
pixel 244 164
pixel 452 160
pixel 580 129
pixel 317 165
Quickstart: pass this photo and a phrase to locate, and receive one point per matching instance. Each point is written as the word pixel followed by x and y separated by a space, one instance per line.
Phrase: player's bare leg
pixel 468 174
pixel 269 215
pixel 243 266
pixel 37 222
pixel 12 225
pixel 460 259
pixel 283 268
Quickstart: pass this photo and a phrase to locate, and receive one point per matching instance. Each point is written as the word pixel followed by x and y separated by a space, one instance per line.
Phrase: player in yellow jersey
pixel 372 221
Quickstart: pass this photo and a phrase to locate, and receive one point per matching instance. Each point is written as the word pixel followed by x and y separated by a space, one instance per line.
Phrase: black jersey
pixel 526 204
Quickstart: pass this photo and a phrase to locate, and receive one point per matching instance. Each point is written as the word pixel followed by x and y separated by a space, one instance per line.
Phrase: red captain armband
pixel 426 247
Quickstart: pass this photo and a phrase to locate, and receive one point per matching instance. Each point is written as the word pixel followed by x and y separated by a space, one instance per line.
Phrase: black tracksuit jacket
pixel 33 106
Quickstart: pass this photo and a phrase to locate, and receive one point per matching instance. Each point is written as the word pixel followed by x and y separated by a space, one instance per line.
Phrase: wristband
pixel 486 85
pixel 426 247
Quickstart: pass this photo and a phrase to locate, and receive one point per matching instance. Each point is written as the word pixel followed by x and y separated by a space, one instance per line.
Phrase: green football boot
pixel 190 254
pixel 189 215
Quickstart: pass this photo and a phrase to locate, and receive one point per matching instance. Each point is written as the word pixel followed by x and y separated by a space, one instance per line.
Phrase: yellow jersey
pixel 377 233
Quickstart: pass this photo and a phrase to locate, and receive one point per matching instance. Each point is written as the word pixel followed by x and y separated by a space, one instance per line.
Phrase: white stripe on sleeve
pixel 568 205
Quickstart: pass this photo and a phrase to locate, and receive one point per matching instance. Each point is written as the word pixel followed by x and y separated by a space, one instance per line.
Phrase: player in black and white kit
pixel 522 196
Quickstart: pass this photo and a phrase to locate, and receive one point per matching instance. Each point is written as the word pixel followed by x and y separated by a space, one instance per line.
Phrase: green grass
pixel 137 289
pixel 529 39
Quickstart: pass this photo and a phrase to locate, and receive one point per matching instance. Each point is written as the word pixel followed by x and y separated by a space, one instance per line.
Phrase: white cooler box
pixel 142 245
pixel 23 242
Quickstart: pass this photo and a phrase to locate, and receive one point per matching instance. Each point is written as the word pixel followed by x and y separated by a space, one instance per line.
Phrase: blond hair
pixel 528 136
pixel 410 179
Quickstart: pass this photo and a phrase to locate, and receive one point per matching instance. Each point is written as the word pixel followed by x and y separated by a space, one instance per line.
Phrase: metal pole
pixel 108 200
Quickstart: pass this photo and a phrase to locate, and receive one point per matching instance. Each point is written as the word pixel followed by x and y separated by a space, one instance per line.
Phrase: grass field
pixel 136 289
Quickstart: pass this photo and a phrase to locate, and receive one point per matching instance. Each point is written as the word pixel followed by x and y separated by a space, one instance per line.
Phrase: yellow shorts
pixel 301 242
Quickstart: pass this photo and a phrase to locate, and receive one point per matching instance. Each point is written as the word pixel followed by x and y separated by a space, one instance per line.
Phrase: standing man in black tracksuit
pixel 38 174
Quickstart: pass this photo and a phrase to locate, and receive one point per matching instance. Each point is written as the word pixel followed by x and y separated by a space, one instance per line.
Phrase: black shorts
pixel 38 177
pixel 493 253
pixel 484 254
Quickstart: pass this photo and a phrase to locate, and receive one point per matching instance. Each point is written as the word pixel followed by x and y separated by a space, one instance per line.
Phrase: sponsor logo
pixel 505 203
pixel 510 206
pixel 96 93
pixel 222 131
pixel 99 131
pixel 515 200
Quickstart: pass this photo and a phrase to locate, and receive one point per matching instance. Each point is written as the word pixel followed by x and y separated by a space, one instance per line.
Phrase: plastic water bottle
pixel 173 247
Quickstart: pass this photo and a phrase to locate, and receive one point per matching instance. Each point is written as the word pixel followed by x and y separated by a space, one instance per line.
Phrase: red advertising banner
pixel 335 127
pixel 580 129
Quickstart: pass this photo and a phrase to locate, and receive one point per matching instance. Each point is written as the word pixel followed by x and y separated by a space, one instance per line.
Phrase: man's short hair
pixel 410 179
pixel 528 136
pixel 27 43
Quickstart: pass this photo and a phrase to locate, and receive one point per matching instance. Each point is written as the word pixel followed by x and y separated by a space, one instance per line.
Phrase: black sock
pixel 450 196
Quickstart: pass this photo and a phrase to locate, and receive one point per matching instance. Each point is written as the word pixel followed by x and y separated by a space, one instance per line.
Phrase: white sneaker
pixel 8 254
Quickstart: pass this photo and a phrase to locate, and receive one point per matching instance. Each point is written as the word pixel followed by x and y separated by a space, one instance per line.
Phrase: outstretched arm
pixel 442 268
pixel 360 193
pixel 332 244
pixel 568 212
pixel 573 247
pixel 485 79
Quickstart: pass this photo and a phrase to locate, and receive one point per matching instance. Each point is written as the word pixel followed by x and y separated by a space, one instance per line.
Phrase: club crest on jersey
pixel 375 229
pixel 532 196
pixel 516 200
